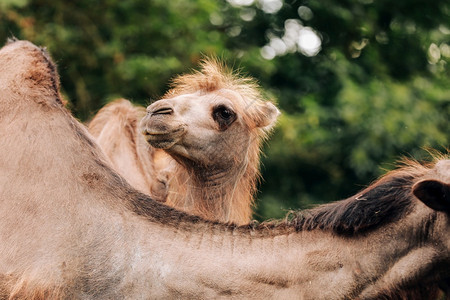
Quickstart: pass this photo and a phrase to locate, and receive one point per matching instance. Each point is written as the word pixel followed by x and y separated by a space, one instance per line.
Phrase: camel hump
pixel 28 71
pixel 124 108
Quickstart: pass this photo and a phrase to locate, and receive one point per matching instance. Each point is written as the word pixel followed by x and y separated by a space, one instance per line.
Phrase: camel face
pixel 207 129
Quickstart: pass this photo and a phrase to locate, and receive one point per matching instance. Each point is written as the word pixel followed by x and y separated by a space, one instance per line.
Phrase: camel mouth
pixel 163 139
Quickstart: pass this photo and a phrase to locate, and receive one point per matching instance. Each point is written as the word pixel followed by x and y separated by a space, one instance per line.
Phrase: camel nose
pixel 163 111
pixel 160 107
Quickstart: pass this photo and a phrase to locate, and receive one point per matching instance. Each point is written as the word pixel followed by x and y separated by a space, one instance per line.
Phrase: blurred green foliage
pixel 374 88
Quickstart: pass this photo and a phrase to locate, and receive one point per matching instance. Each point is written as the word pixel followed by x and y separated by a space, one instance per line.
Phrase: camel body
pixel 71 227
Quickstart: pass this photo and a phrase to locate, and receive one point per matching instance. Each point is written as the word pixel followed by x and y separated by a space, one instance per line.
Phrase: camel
pixel 73 228
pixel 211 123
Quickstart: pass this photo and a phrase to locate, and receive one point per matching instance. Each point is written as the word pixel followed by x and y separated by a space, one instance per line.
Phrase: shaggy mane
pixel 383 202
pixel 214 75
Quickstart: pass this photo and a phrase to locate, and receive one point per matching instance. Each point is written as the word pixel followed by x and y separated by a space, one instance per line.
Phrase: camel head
pixel 211 119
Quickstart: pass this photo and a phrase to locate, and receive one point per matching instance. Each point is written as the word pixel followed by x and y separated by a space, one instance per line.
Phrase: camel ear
pixel 435 194
pixel 267 115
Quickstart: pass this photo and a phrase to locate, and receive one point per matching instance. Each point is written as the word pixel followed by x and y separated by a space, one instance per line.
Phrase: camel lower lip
pixel 155 133
pixel 161 143
pixel 160 140
pixel 157 137
pixel 149 132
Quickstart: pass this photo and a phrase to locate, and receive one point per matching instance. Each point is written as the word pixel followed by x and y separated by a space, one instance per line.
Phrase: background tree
pixel 360 83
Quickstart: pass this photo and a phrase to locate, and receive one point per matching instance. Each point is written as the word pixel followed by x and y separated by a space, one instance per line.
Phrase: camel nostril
pixel 162 111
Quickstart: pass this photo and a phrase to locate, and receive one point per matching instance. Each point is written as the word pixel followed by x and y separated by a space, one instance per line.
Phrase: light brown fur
pixel 72 228
pixel 116 130
pixel 186 182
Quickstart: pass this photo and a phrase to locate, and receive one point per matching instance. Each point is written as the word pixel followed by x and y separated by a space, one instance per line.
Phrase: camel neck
pixel 214 184
pixel 220 192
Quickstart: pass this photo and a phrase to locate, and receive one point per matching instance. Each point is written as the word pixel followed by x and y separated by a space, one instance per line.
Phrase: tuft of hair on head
pixel 213 75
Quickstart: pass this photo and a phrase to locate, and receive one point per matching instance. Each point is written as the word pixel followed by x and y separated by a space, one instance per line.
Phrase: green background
pixel 375 88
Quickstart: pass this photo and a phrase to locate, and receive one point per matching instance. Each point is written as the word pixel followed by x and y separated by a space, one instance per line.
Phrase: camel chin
pixel 160 142
pixel 164 140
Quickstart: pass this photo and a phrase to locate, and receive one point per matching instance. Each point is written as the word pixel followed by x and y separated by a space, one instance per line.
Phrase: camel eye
pixel 223 116
pixel 224 113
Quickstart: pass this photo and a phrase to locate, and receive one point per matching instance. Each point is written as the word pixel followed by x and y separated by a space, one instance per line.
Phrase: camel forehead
pixel 199 99
pixel 240 102
pixel 233 96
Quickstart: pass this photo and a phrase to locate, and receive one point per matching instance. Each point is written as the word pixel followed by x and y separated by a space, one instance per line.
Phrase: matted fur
pixel 387 200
